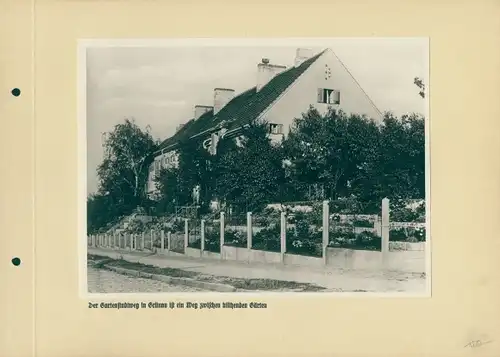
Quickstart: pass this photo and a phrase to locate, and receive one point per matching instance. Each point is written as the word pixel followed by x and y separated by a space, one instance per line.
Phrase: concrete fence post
pixel 385 226
pixel 186 234
pixel 169 240
pixel 152 239
pixel 162 242
pixel 283 236
pixel 222 234
pixel 133 241
pixel 249 231
pixel 143 238
pixel 202 236
pixel 326 229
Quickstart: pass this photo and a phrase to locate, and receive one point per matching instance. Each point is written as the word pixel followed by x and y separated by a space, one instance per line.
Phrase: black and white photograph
pixel 255 165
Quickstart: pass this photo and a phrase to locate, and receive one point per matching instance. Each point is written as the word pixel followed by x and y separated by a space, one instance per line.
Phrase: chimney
pixel 222 96
pixel 266 72
pixel 199 110
pixel 302 54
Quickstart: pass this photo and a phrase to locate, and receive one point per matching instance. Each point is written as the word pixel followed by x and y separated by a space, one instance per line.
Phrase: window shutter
pixel 320 95
pixel 336 97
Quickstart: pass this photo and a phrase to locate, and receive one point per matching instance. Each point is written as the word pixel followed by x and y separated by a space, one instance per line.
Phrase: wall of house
pixel 166 160
pixel 304 92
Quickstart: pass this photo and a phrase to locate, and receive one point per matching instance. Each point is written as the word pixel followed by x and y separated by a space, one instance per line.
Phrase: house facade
pixel 280 94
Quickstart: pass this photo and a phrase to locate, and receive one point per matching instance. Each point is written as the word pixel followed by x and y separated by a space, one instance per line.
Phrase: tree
pixel 122 174
pixel 193 171
pixel 250 174
pixel 334 151
pixel 401 163
pixel 167 183
pixel 420 84
pixel 124 170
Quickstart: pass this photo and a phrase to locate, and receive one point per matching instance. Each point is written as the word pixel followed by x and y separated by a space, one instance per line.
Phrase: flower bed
pixel 212 239
pixel 235 238
pixel 304 239
pixel 268 239
pixel 350 240
pixel 411 235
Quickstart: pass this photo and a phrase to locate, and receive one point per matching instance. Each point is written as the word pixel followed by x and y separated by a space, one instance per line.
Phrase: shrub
pixel 235 238
pixel 362 223
pixel 407 235
pixel 212 239
pixel 351 240
pixel 178 225
pixel 267 239
pixel 196 244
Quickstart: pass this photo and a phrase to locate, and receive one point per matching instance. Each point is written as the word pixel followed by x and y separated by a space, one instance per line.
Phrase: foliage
pixel 349 240
pixel 136 226
pixel 420 84
pixel 251 174
pixel 212 240
pixel 400 167
pixel 402 212
pixel 411 235
pixel 122 175
pixel 362 223
pixel 304 238
pixel 268 238
pixel 331 150
pixel 235 238
pixel 167 183
pixel 178 226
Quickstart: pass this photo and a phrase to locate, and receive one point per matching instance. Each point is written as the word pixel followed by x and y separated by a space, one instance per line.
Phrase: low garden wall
pixel 302 260
pixel 193 252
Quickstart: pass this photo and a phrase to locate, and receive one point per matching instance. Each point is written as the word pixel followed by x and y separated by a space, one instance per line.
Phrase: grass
pixel 102 262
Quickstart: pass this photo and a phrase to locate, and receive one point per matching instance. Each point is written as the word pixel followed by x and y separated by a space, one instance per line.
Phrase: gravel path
pixel 105 282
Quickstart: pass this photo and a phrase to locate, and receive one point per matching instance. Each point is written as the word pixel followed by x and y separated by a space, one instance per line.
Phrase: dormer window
pixel 328 96
pixel 276 129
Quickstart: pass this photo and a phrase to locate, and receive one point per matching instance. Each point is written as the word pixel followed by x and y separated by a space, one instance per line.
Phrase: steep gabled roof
pixel 243 108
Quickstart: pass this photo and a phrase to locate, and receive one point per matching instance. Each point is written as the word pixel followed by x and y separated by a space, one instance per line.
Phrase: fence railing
pixel 307 232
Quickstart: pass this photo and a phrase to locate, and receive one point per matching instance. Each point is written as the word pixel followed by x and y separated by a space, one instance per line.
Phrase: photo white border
pixel 82 46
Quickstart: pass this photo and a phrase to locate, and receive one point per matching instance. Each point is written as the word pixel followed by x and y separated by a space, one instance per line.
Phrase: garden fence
pixel 329 224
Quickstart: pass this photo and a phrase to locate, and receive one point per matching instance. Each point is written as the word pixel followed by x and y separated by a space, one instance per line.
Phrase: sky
pixel 158 83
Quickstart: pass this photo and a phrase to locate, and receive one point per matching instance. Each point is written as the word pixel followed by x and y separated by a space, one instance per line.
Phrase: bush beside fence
pixel 308 234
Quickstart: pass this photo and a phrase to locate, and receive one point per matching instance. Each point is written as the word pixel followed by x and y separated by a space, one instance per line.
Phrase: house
pixel 279 96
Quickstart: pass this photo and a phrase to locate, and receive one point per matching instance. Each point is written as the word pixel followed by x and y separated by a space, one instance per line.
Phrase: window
pixel 328 96
pixel 276 128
